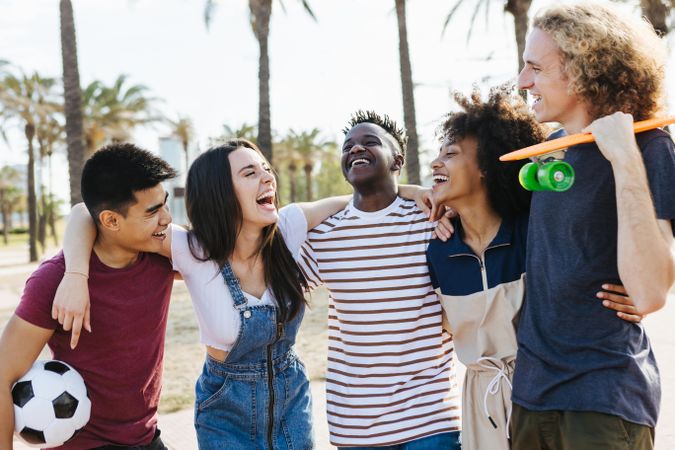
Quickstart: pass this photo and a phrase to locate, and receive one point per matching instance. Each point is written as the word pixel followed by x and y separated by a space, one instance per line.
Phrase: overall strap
pixel 235 289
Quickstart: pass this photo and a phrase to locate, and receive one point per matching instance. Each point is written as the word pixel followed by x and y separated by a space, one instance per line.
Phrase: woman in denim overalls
pixel 247 291
pixel 261 391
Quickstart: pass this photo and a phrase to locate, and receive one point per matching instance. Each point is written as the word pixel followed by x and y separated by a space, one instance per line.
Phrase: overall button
pixel 247 314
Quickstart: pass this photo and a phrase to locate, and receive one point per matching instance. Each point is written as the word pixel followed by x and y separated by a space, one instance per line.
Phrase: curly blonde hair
pixel 615 62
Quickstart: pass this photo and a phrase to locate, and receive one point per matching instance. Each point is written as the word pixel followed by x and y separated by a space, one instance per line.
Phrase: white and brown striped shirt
pixel 391 376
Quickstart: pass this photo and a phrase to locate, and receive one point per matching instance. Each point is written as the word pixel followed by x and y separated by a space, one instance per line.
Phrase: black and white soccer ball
pixel 50 404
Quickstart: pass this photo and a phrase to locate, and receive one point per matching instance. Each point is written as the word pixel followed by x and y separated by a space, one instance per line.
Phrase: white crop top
pixel 218 320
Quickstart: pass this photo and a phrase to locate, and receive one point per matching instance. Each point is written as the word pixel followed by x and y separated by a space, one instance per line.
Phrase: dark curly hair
pixel 500 125
pixel 385 122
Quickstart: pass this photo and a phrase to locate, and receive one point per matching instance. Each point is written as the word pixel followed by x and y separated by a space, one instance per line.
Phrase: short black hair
pixel 385 122
pixel 501 124
pixel 112 175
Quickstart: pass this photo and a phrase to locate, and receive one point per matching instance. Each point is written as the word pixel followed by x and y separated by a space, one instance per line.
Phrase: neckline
pixel 100 265
pixel 393 206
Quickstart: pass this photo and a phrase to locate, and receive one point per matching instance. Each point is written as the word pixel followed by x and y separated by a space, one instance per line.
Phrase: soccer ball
pixel 50 404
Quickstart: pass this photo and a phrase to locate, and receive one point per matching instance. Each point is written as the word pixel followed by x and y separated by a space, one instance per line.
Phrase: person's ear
pixel 110 220
pixel 398 162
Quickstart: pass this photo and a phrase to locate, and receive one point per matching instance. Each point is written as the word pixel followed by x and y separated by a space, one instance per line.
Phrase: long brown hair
pixel 216 219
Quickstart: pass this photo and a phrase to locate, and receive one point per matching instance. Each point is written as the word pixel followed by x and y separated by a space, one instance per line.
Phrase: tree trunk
pixel 72 101
pixel 41 201
pixel 51 216
pixel 5 217
pixel 42 219
pixel 308 181
pixel 291 180
pixel 412 154
pixel 656 12
pixel 261 12
pixel 187 158
pixel 32 201
pixel 519 10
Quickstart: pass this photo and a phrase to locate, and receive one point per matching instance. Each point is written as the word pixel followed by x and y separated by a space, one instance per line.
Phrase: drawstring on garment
pixel 495 385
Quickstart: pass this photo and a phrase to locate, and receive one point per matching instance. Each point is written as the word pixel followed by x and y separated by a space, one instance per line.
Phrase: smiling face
pixel 457 177
pixel 255 187
pixel 548 85
pixel 143 228
pixel 369 154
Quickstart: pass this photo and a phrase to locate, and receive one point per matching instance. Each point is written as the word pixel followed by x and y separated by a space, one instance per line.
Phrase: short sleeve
pixel 180 250
pixel 308 265
pixel 659 159
pixel 293 227
pixel 38 294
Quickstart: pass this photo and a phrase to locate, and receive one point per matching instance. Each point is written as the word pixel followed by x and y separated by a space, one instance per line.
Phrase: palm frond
pixel 474 16
pixel 209 11
pixel 309 10
pixel 450 15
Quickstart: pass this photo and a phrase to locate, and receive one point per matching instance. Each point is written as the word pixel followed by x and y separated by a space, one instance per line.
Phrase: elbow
pixel 651 304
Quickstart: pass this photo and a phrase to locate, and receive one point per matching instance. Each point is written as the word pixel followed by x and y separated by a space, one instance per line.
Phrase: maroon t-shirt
pixel 121 360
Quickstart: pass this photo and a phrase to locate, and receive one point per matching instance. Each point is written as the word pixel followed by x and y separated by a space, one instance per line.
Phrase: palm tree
pixel 519 9
pixel 72 94
pixel 412 154
pixel 308 148
pixel 183 130
pixel 111 113
pixel 245 131
pixel 3 115
pixel 49 133
pixel 657 12
pixel 286 156
pixel 9 177
pixel 28 99
pixel 329 180
pixel 260 14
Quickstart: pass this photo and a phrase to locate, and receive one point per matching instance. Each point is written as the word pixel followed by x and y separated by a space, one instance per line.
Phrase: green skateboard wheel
pixel 556 176
pixel 528 177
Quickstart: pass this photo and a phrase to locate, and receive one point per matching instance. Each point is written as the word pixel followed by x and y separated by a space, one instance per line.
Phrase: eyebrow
pixel 154 208
pixel 250 166
pixel 367 136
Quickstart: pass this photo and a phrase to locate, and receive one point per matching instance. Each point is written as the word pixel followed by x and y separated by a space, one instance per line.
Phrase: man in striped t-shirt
pixel 391 379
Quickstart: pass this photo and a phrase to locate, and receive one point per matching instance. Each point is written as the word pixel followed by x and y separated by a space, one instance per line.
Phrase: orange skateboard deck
pixel 576 139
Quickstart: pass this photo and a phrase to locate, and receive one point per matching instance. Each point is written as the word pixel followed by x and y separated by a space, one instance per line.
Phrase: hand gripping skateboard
pixel 548 171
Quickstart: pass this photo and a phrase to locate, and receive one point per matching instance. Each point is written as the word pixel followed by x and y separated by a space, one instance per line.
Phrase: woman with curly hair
pixel 479 273
pixel 585 380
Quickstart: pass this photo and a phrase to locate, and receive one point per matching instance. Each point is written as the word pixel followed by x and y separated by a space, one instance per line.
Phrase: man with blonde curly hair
pixel 584 379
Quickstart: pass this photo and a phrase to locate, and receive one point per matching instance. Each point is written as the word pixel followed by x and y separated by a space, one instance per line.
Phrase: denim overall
pixel 259 397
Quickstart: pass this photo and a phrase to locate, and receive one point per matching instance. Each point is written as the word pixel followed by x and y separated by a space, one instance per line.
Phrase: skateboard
pixel 548 171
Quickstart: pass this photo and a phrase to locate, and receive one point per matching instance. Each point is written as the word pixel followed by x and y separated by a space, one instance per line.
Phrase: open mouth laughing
pixel 439 179
pixel 266 199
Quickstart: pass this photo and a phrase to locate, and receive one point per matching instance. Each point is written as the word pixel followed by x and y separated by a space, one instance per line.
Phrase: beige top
pixel 483 325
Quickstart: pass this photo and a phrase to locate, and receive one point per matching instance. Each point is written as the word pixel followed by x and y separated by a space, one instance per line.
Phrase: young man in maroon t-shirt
pixel 130 287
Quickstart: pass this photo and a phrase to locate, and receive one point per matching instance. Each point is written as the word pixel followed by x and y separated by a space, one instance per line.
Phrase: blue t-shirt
pixel 573 353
